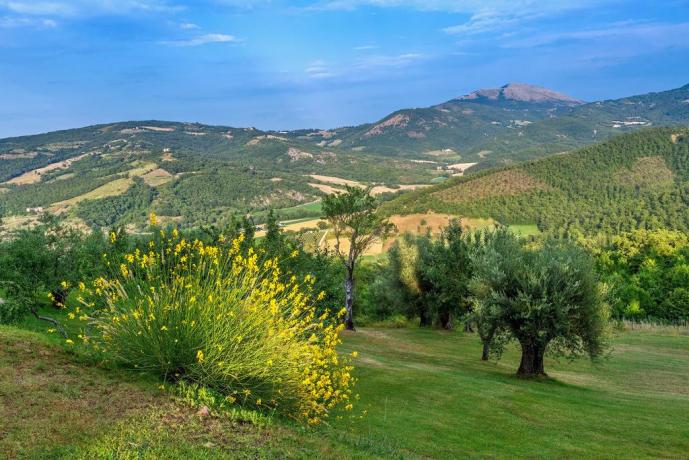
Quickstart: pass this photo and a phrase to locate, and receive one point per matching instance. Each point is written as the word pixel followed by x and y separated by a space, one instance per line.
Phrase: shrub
pixel 11 311
pixel 215 316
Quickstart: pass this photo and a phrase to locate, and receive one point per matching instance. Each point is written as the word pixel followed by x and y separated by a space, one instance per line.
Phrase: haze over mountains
pixel 196 174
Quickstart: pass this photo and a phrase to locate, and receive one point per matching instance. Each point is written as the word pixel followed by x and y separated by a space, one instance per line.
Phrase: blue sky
pixel 318 63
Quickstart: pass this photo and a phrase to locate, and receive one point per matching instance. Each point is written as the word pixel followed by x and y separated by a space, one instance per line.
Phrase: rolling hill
pixel 188 173
pixel 194 174
pixel 637 180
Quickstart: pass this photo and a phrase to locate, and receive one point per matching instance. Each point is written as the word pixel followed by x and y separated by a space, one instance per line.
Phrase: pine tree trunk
pixel 532 360
pixel 349 301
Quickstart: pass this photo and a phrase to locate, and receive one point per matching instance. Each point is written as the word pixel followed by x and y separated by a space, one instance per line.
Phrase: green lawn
pixel 425 392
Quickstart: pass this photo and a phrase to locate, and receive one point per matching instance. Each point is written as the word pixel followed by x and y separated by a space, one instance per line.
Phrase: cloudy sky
pixel 276 64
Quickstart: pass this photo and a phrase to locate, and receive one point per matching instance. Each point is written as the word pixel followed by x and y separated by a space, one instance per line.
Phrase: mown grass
pixel 425 392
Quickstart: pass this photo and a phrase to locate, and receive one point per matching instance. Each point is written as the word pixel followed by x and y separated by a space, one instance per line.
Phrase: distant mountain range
pixel 198 174
pixel 507 124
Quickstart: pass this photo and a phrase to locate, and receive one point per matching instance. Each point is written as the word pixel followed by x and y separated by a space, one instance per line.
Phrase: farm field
pixel 412 382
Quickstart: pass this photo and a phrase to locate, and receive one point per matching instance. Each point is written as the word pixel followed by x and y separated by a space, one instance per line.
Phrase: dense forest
pixel 638 180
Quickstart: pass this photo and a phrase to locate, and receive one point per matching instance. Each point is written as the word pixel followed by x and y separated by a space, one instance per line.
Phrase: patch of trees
pixel 648 272
pixel 546 297
pixel 426 278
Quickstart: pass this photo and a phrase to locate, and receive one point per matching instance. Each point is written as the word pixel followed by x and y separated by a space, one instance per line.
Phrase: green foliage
pixel 649 274
pixel 425 278
pixel 353 215
pixel 216 316
pixel 547 298
pixel 46 260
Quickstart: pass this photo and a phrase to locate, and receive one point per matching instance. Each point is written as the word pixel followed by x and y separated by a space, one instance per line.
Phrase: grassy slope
pixel 55 404
pixel 425 391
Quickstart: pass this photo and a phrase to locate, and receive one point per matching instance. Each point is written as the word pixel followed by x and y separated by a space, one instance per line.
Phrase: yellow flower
pixel 199 356
pixel 164 328
pixel 69 342
pixel 153 219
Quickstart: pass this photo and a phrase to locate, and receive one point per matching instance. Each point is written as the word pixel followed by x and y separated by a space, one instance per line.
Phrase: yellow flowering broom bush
pixel 215 316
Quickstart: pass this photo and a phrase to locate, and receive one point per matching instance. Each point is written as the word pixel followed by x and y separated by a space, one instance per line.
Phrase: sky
pixel 276 64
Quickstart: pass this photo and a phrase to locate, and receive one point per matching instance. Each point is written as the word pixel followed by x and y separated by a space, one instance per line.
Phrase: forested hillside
pixel 638 180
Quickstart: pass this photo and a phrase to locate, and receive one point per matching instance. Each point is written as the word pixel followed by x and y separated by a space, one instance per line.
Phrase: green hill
pixel 513 123
pixel 638 180
pixel 194 174
pixel 190 173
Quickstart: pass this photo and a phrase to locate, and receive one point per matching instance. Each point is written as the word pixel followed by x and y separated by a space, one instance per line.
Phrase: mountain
pixel 501 126
pixel 195 174
pixel 637 180
pixel 521 92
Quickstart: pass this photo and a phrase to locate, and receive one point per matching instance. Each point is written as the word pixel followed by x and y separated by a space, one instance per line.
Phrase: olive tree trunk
pixel 532 359
pixel 349 300
pixel 486 351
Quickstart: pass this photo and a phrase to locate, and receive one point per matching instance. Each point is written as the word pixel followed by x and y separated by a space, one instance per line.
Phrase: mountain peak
pixel 521 92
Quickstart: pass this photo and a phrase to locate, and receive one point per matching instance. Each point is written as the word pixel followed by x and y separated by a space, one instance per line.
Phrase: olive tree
pixel 548 299
pixel 353 216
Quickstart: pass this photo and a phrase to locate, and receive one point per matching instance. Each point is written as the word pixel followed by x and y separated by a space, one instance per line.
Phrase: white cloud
pixel 14 22
pixel 203 40
pixel 188 26
pixel 498 15
pixel 320 69
pixel 363 67
pixel 365 47
pixel 387 61
pixel 642 34
pixel 75 8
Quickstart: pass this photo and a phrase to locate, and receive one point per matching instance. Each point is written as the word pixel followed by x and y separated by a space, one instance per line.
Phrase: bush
pixel 215 316
pixel 11 311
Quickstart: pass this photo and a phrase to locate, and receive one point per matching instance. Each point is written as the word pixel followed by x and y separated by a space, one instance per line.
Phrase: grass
pixel 426 394
pixel 55 403
pixel 525 229
pixel 112 188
